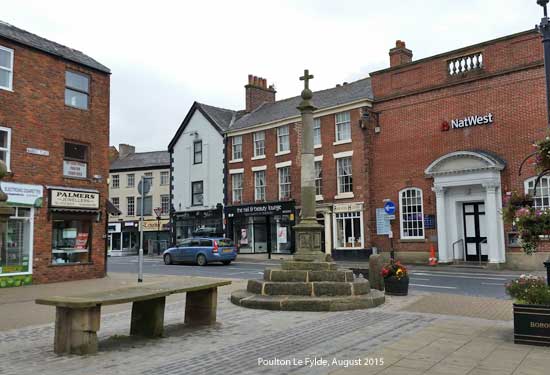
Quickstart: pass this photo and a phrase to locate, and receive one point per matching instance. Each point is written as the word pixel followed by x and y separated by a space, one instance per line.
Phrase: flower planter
pixel 396 287
pixel 532 324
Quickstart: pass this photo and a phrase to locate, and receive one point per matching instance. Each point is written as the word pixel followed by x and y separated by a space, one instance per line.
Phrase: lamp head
pixel 542 3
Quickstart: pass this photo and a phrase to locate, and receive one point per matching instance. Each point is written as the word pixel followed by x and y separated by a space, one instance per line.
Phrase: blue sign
pixel 389 207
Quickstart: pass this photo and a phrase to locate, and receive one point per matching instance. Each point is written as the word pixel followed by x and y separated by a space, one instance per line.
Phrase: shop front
pixel 156 236
pixel 262 228
pixel 348 231
pixel 16 257
pixel 123 238
pixel 196 223
pixel 72 213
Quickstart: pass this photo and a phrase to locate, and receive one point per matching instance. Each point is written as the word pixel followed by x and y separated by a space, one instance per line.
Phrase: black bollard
pixel 547 265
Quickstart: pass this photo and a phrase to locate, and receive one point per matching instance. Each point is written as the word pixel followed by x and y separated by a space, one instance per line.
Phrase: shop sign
pixel 22 194
pixel 276 208
pixel 153 225
pixel 468 121
pixel 114 227
pixel 348 207
pixel 74 169
pixel 74 199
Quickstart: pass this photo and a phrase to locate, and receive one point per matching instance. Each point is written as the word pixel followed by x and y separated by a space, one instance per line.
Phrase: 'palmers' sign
pixel 76 199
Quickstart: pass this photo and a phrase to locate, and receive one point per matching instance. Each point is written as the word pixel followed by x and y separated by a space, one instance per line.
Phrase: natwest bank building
pixel 449 134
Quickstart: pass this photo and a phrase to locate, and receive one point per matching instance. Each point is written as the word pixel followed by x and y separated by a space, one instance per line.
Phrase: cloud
pixel 166 54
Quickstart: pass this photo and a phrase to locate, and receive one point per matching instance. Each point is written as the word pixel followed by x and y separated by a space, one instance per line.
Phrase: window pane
pixel 5 78
pixel 76 99
pixel 412 218
pixel 76 151
pixel 71 241
pixel 5 59
pixel 3 139
pixel 76 81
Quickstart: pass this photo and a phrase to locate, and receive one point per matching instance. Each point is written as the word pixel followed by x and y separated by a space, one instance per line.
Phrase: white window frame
pixel 257 149
pixel 164 178
pixel 317 130
pixel 8 148
pixel 283 134
pixel 338 176
pixel 115 177
pixel 544 188
pixel 12 53
pixel 234 156
pixel 117 200
pixel 318 179
pixel 403 211
pixel 133 200
pixel 350 215
pixel 236 193
pixel 163 198
pixel 259 188
pixel 286 184
pixel 128 180
pixel 340 120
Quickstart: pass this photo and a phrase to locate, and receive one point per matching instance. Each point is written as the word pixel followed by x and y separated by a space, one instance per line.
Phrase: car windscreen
pixel 225 242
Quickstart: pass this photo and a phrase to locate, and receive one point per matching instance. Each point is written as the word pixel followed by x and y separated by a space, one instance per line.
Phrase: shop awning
pixel 74 210
pixel 111 208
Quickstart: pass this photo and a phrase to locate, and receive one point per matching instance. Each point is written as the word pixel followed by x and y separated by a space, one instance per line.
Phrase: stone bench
pixel 78 317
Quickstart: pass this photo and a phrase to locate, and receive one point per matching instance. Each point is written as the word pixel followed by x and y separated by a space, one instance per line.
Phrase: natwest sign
pixel 468 121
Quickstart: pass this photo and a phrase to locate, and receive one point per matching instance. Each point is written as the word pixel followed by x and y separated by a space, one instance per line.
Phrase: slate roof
pixel 220 118
pixel 32 40
pixel 286 108
pixel 142 160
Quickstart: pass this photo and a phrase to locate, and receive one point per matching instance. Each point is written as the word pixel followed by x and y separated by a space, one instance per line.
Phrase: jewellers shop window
pixel 71 238
pixel 197 193
pixel 197 152
pixel 75 163
pixel 348 230
pixel 77 89
pixel 411 214
pixel 5 146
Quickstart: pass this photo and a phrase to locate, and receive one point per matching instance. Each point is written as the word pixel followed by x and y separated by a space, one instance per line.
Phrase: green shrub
pixel 530 290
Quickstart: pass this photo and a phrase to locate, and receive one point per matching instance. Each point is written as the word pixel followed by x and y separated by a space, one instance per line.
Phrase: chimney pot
pixel 400 54
pixel 250 79
pixel 257 92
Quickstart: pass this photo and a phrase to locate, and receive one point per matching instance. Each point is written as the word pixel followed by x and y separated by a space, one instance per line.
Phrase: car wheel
pixel 201 260
pixel 226 262
pixel 167 259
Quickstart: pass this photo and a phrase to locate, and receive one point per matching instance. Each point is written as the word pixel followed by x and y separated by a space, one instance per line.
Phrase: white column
pixel 442 244
pixel 495 252
pixel 328 233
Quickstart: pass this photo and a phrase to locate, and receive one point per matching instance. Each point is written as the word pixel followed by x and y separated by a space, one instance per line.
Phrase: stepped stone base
pixel 308 286
pixel 307 303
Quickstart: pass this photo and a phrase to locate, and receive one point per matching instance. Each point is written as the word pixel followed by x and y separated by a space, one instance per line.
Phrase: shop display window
pixel 348 230
pixel 15 256
pixel 71 239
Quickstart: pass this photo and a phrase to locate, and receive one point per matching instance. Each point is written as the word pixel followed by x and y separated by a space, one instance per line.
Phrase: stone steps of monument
pixel 312 289
pixel 291 265
pixel 281 275
pixel 307 303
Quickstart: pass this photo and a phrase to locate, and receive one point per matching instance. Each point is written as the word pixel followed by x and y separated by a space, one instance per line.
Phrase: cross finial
pixel 306 77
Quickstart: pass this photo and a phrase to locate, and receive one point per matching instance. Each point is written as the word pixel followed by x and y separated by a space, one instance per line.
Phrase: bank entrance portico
pixel 467 186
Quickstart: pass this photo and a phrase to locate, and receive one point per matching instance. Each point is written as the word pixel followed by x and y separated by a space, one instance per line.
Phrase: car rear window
pixel 225 242
pixel 206 243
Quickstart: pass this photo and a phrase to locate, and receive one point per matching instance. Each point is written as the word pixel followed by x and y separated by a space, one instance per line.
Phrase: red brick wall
pixel 360 164
pixel 411 136
pixel 38 117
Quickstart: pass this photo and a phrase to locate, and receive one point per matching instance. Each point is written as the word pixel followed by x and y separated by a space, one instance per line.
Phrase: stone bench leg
pixel 75 330
pixel 148 317
pixel 200 307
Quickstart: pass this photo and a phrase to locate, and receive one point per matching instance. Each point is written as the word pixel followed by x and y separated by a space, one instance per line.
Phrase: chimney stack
pixel 257 92
pixel 125 150
pixel 400 54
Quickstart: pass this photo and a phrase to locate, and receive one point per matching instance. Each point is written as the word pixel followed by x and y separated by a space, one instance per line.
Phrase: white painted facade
pixel 209 171
pixel 468 177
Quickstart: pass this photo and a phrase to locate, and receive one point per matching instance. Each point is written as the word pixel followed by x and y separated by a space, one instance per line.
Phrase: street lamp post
pixel 544 30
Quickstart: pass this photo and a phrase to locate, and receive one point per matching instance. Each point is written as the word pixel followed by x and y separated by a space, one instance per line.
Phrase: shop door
pixel 475 234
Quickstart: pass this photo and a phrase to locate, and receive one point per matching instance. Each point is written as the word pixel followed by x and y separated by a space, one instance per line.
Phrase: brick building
pixel 54 137
pixel 263 169
pixel 452 131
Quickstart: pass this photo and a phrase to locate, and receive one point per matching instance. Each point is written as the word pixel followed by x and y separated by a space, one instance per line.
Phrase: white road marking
pixel 460 277
pixel 434 286
pixel 499 284
pixel 419 279
pixel 464 273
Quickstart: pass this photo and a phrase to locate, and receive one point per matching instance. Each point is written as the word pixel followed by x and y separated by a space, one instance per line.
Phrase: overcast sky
pixel 166 54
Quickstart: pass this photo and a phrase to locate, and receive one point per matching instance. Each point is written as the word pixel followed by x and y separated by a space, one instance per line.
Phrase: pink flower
pixel 522 212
